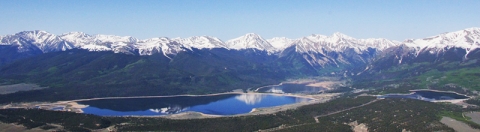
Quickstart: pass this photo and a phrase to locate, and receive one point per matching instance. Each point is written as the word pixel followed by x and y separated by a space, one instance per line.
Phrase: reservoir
pixel 226 104
pixel 427 95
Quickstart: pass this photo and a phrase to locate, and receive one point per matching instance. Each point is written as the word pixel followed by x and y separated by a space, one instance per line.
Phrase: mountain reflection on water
pixel 250 99
pixel 292 88
pixel 169 110
pixel 226 104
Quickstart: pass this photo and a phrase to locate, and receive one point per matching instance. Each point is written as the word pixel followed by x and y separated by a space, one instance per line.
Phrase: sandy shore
pixel 73 106
pixel 327 83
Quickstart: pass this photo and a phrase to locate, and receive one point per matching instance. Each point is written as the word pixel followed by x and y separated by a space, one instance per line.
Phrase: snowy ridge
pixel 468 39
pixel 201 42
pixel 158 45
pixel 43 41
pixel 339 42
pixel 462 39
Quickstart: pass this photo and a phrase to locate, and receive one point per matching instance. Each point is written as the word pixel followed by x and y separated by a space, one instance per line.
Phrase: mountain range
pixel 318 50
pixel 47 42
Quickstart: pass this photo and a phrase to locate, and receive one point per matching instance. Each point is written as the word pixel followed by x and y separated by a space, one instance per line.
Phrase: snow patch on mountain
pixel 201 42
pixel 280 43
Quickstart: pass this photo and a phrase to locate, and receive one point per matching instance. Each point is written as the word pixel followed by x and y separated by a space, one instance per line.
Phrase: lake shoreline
pixel 412 92
pixel 74 106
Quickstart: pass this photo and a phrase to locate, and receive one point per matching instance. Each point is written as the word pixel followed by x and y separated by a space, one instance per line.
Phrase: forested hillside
pixel 76 74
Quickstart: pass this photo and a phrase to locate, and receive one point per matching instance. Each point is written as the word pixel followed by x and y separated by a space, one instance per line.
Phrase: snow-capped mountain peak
pixel 338 35
pixel 252 35
pixel 250 40
pixel 162 45
pixel 39 36
pixel 37 39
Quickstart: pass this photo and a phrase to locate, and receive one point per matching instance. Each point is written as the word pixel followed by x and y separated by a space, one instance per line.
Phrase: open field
pixel 457 125
pixel 475 116
pixel 7 89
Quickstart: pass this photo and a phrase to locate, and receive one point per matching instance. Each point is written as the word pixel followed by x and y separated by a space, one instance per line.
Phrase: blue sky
pixel 227 19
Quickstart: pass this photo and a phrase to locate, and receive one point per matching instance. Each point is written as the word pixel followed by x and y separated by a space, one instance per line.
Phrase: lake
pixel 226 104
pixel 427 95
pixel 292 88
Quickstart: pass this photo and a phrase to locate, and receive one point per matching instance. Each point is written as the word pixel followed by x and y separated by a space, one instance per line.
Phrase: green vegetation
pixel 32 118
pixel 464 77
pixel 79 74
pixel 474 101
pixel 457 76
pixel 396 115
pixel 322 125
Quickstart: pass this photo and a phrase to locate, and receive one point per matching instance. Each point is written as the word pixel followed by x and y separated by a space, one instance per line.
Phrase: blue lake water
pixel 427 95
pixel 227 104
pixel 57 108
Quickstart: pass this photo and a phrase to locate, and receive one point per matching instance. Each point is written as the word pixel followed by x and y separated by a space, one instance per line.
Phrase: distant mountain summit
pixel 250 41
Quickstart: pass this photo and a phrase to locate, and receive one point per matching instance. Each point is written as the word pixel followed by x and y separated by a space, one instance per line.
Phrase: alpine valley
pixel 77 65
